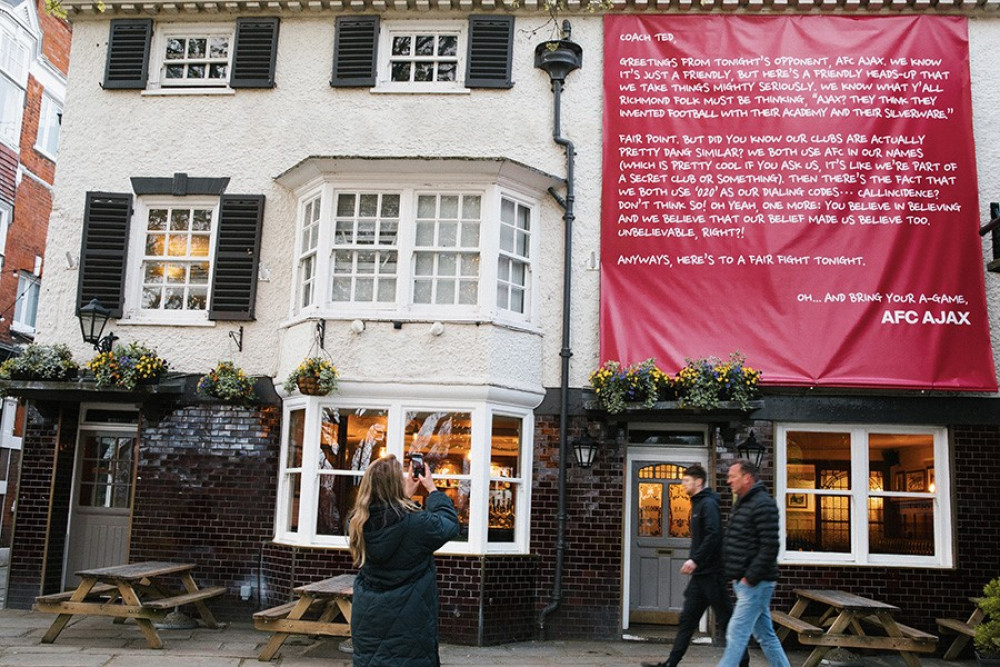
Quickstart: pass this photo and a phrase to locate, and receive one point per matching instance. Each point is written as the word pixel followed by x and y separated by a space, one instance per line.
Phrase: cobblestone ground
pixel 99 642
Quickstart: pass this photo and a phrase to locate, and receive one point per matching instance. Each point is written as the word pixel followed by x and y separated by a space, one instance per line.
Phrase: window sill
pixel 164 322
pixel 418 90
pixel 159 92
pixel 388 319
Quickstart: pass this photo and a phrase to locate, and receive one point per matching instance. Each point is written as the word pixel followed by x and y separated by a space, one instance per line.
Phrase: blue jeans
pixel 752 615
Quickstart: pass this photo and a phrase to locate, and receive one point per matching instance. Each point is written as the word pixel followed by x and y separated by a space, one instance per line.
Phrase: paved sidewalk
pixel 98 642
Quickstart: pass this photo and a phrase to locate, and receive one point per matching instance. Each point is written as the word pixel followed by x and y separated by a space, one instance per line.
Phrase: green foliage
pixel 127 366
pixel 987 639
pixel 318 370
pixel 702 384
pixel 228 382
pixel 617 385
pixel 40 362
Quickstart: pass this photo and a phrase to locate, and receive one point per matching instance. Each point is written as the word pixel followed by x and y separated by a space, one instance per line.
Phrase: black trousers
pixel 702 592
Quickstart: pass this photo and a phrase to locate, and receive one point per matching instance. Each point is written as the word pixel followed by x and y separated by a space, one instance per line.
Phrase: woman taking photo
pixel 394 619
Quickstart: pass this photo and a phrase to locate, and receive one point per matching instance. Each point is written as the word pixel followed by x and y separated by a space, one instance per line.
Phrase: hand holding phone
pixel 417 465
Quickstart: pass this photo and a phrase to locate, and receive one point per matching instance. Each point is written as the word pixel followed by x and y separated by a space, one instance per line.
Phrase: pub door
pixel 659 537
pixel 101 503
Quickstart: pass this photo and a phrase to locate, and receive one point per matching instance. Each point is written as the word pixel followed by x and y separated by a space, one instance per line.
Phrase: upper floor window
pixel 49 120
pixel 13 81
pixel 175 259
pixel 178 56
pixel 423 56
pixel 864 495
pixel 195 57
pixel 5 216
pixel 399 250
pixel 184 259
pixel 26 308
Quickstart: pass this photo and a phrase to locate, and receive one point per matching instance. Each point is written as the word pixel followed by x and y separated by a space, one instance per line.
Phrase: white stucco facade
pixel 253 136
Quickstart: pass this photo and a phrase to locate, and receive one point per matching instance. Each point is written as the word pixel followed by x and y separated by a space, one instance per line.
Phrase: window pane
pixel 425 233
pixel 401 45
pixel 503 511
pixel 906 461
pixel 293 491
pixel 400 71
pixel 827 528
pixel 448 45
pixel 446 72
pixel 445 440
pixel 296 436
pixel 650 509
pixel 349 440
pixel 901 526
pixel 345 205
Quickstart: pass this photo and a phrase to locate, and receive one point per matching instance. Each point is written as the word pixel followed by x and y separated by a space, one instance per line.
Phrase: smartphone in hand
pixel 417 462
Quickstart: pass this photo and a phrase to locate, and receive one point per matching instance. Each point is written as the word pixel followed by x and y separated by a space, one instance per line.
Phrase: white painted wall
pixel 255 135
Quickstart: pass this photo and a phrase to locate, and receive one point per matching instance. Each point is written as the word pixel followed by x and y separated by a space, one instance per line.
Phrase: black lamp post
pixel 585 450
pixel 93 319
pixel 751 450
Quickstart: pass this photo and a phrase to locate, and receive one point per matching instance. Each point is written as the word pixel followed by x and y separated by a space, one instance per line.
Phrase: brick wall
pixel 592 566
pixel 39 461
pixel 206 494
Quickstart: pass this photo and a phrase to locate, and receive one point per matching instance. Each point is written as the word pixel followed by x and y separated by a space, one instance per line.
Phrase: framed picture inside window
pixel 916 480
pixel 799 502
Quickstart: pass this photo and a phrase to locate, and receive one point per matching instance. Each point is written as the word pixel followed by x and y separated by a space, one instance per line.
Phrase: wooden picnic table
pixel 845 621
pixel 136 591
pixel 322 608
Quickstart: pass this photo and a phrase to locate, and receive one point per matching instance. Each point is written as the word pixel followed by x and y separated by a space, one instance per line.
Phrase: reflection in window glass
pixel 650 509
pixel 445 440
pixel 106 477
pixel 505 446
pixel 293 466
pixel 350 439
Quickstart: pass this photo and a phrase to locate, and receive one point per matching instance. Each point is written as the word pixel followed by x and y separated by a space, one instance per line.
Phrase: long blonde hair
pixel 382 483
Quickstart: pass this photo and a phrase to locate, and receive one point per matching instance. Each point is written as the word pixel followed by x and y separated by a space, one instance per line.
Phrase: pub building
pixel 474 210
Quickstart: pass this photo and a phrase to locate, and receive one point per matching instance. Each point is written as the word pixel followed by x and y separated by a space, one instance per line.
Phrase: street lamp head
pixel 751 450
pixel 93 318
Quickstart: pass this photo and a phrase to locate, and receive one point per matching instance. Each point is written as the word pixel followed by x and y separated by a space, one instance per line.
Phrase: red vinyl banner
pixel 799 189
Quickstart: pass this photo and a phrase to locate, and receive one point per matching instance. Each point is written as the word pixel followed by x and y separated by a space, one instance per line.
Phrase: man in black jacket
pixel 750 559
pixel 707 587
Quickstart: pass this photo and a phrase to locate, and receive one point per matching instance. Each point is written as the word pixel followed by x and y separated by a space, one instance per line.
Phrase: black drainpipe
pixel 558 58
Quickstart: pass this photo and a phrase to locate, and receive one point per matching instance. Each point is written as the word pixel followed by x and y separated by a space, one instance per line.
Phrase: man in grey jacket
pixel 750 560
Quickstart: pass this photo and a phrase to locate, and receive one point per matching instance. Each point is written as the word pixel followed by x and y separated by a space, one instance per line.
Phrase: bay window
pixel 445 245
pixel 864 495
pixel 476 450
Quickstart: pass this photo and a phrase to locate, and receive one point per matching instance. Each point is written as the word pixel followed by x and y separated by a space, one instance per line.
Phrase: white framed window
pixel 478 451
pixel 13 82
pixel 308 243
pixel 864 495
pixel 49 121
pixel 171 253
pixel 5 216
pixel 422 56
pixel 192 56
pixel 26 307
pixel 514 263
pixel 396 249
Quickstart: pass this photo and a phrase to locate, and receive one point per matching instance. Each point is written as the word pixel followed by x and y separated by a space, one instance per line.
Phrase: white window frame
pixel 859 493
pixel 391 29
pixel 134 312
pixel 158 57
pixel 29 288
pixel 482 412
pixel 403 307
pixel 6 213
pixel 47 141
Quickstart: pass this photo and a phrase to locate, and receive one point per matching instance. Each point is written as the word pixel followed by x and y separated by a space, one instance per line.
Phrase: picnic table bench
pixel 965 630
pixel 843 624
pixel 136 591
pixel 322 608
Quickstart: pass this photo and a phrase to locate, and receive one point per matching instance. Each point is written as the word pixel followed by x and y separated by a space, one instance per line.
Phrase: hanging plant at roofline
pixel 315 376
pixel 228 382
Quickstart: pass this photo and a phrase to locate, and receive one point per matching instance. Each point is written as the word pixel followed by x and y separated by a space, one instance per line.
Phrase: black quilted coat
pixel 394 616
pixel 751 544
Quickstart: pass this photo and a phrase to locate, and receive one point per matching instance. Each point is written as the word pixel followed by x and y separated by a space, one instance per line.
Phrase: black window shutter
pixel 237 252
pixel 128 53
pixel 254 53
pixel 355 52
pixel 104 252
pixel 491 43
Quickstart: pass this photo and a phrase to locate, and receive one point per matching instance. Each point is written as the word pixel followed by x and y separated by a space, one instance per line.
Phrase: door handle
pixel 665 552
